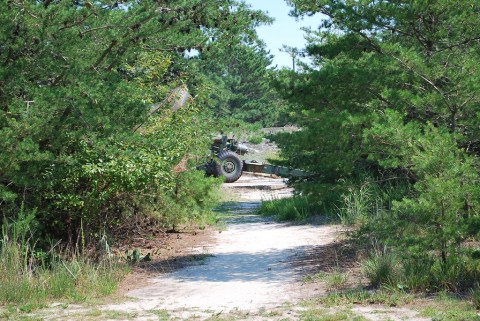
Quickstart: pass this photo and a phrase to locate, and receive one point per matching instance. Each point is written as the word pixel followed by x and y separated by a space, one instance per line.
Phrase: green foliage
pixel 30 277
pixel 475 295
pixel 85 151
pixel 191 200
pixel 444 201
pixel 297 208
pixel 383 268
pixel 321 314
pixel 392 94
pixel 255 139
pixel 334 280
pixel 136 256
pixel 363 296
pixel 240 77
pixel 242 130
pixel 356 206
pixel 448 307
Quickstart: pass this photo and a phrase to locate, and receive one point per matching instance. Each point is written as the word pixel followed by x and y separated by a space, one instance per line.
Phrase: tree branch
pixel 104 54
pixel 430 82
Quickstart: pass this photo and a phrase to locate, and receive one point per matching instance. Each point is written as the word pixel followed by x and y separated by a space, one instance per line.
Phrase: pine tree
pixel 393 93
pixel 77 78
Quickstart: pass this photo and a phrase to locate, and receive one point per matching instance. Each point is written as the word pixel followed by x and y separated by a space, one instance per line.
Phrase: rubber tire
pixel 229 158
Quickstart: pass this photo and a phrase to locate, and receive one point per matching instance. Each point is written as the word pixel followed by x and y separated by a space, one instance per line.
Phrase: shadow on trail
pixel 268 266
pixel 339 255
pixel 238 207
pixel 236 266
pixel 241 213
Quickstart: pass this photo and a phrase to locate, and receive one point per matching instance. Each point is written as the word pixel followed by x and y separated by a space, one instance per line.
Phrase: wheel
pixel 230 166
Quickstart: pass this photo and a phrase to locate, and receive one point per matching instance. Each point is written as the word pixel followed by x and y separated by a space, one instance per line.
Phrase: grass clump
pixel 356 206
pixel 334 280
pixel 161 314
pixel 319 314
pixel 382 269
pixel 27 282
pixel 297 208
pixel 30 277
pixel 389 269
pixel 449 307
pixel 475 295
pixel 363 296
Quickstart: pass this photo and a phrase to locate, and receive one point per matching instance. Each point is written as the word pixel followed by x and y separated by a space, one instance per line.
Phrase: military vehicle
pixel 224 161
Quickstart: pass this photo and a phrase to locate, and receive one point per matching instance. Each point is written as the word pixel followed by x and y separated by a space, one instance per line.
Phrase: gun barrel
pixel 282 171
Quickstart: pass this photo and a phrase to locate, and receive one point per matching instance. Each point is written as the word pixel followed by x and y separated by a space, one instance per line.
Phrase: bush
pixel 101 134
pixel 429 226
pixel 191 201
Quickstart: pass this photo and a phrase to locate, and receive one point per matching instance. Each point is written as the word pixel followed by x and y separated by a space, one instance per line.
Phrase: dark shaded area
pixel 240 212
pixel 238 207
pixel 339 255
pixel 172 264
pixel 139 231
pixel 236 266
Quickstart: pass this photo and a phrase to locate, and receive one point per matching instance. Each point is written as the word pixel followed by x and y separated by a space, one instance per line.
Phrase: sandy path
pixel 247 268
pixel 250 272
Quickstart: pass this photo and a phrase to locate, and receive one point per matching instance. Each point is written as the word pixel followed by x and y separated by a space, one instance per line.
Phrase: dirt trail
pixel 252 270
pixel 248 266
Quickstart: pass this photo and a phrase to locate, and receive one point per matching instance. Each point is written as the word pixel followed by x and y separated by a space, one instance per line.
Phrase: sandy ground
pixel 253 269
pixel 247 269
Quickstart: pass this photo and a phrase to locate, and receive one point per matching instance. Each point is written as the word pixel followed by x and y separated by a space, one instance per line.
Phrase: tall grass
pixel 22 281
pixel 383 269
pixel 356 205
pixel 366 201
pixel 297 208
pixel 368 207
pixel 392 270
pixel 31 277
pixel 475 295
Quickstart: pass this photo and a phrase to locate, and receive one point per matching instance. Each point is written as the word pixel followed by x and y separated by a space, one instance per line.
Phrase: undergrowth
pixel 363 296
pixel 334 280
pixel 31 278
pixel 296 208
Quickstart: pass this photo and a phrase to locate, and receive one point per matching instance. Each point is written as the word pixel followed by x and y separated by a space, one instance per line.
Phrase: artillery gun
pixel 224 158
pixel 225 161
